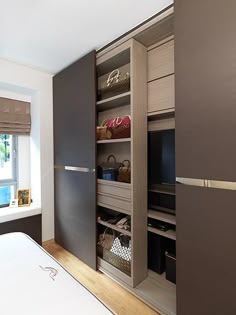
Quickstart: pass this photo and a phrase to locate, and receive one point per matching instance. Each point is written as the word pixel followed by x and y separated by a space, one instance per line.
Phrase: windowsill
pixel 10 214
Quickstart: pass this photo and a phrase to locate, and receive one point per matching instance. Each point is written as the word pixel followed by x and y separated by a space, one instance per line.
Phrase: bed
pixel 34 283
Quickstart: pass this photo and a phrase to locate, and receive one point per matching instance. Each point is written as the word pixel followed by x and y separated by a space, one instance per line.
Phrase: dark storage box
pixel 170 267
pixel 157 247
pixel 156 252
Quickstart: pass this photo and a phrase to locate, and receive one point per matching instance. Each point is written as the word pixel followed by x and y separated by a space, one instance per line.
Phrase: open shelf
pixel 114 140
pixel 112 207
pixel 162 209
pixel 114 60
pixel 113 102
pixel 161 216
pixel 161 113
pixel 114 227
pixel 162 188
pixel 168 234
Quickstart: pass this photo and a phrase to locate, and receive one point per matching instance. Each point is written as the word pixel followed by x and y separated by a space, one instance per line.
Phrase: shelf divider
pixel 162 189
pixel 168 234
pixel 113 102
pixel 114 140
pixel 114 227
pixel 162 216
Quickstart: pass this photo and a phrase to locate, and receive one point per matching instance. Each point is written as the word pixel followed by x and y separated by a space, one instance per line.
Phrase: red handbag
pixel 119 127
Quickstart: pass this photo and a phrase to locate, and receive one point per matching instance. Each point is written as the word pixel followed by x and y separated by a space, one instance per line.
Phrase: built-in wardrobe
pixel 205 66
pixel 179 201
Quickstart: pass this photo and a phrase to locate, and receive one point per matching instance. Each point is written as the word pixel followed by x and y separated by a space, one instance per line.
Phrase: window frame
pixel 14 180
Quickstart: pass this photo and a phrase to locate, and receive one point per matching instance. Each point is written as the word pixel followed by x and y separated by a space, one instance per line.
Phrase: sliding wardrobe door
pixel 205 72
pixel 75 221
pixel 74 98
pixel 206 264
pixel 74 155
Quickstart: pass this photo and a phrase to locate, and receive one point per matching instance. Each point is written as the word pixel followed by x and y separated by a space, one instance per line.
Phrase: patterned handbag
pixel 122 247
pixel 119 127
pixel 116 82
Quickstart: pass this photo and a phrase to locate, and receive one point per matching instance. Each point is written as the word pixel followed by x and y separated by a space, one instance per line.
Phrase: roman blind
pixel 14 117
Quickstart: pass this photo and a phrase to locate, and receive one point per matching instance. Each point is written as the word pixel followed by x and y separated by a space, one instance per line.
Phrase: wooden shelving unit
pixel 147 100
pixel 126 198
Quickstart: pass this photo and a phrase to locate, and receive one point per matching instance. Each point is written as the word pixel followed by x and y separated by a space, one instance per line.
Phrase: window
pixel 8 168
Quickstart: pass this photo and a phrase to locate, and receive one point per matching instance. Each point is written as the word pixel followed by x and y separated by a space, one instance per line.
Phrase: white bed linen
pixel 26 289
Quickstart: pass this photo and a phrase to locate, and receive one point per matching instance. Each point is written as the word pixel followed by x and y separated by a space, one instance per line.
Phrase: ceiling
pixel 51 34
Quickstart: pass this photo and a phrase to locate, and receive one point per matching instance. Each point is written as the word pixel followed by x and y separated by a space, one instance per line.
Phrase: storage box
pixel 156 252
pixel 170 267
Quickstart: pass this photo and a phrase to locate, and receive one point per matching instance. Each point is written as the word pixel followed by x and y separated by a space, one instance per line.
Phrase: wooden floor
pixel 112 294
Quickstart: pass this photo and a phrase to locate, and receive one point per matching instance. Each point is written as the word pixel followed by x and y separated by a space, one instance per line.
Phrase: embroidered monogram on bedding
pixel 52 271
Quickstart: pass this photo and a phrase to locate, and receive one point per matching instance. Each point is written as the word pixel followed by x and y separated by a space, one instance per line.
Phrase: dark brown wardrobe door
pixel 74 98
pixel 206 264
pixel 205 73
pixel 75 221
pixel 75 158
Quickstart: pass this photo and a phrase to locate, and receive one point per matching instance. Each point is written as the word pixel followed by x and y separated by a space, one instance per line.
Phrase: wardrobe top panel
pixel 147 33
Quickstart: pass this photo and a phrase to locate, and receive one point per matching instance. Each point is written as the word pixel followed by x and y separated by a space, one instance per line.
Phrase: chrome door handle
pixel 75 168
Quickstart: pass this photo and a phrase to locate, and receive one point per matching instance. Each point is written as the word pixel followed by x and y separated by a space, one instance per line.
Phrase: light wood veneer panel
pixel 161 61
pixel 161 94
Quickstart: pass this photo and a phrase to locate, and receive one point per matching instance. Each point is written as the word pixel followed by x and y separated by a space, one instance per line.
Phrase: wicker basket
pixel 116 261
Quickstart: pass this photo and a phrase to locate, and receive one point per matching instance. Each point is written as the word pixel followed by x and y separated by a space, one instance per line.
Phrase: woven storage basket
pixel 116 261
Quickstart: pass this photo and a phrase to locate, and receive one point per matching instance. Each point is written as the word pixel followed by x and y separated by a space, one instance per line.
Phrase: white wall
pixel 24 162
pixel 36 85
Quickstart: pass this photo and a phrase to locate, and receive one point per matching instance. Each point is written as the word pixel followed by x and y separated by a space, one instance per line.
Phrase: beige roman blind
pixel 14 117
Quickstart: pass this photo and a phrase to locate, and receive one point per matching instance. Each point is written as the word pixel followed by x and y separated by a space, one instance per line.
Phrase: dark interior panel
pixel 206 264
pixel 161 157
pixel 161 170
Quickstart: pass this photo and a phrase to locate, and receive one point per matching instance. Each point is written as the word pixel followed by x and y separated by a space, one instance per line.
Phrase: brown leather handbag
pixel 103 133
pixel 124 173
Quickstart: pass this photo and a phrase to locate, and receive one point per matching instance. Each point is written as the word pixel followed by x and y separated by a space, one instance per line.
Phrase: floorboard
pixel 111 293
